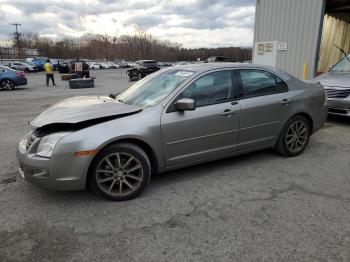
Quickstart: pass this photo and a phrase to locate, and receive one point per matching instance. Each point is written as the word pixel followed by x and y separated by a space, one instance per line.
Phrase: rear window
pixel 5 69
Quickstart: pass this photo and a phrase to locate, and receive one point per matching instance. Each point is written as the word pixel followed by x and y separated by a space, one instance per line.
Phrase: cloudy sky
pixel 193 23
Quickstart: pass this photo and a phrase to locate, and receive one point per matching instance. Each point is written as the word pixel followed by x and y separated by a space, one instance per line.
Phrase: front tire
pixel 120 172
pixel 294 136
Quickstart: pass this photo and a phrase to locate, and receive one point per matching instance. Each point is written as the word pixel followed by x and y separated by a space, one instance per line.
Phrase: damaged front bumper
pixel 339 106
pixel 60 172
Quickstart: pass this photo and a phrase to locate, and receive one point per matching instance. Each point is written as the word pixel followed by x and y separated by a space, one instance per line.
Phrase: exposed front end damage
pixel 38 162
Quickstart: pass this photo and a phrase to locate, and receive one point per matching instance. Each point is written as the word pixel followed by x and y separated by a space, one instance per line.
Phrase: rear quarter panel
pixel 310 101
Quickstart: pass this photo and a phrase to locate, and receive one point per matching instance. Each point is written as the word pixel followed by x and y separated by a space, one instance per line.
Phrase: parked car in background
pixel 63 67
pixel 181 63
pixel 39 62
pixel 337 85
pixel 213 59
pixel 68 67
pixel 10 78
pixel 24 66
pixel 55 63
pixel 142 68
pixel 105 65
pixel 164 64
pixel 86 71
pixel 114 65
pixel 124 65
pixel 95 66
pixel 177 117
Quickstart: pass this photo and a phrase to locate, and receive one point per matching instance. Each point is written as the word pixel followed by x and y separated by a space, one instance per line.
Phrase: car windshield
pixel 154 88
pixel 342 66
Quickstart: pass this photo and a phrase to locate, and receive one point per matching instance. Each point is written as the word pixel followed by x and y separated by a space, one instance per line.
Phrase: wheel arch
pixel 308 118
pixel 150 152
pixel 301 113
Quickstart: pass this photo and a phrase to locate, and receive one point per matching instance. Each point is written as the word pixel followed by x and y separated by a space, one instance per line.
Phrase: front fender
pixel 144 126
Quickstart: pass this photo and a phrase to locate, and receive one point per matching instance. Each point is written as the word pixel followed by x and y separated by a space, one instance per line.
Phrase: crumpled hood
pixel 83 108
pixel 335 79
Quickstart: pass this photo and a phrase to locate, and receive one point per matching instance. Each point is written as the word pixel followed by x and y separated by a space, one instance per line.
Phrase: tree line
pixel 139 45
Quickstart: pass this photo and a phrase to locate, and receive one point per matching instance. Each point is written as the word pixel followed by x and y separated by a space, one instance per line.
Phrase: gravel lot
pixel 256 207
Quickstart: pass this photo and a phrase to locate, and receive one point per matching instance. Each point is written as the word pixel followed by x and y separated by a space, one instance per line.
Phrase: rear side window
pixel 258 82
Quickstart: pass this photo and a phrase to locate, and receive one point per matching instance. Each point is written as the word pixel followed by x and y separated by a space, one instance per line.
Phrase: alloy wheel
pixel 119 174
pixel 297 136
pixel 7 85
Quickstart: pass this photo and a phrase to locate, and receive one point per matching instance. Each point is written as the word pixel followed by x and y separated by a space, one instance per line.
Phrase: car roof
pixel 152 61
pixel 203 67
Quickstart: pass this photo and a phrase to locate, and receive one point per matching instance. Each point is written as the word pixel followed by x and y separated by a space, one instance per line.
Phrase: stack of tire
pixel 81 83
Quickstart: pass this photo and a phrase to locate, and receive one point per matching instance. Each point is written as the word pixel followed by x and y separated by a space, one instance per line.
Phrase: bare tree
pixel 140 45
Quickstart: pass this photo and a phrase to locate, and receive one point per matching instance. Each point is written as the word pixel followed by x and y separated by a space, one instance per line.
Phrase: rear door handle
pixel 285 102
pixel 227 112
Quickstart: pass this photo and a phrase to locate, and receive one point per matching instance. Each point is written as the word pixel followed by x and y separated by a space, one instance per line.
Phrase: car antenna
pixel 342 50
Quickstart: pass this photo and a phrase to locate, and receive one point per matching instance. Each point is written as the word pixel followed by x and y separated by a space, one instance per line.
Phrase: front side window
pixel 259 82
pixel 210 89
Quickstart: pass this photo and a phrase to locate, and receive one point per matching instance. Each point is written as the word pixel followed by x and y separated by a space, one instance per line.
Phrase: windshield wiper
pixel 342 52
pixel 113 96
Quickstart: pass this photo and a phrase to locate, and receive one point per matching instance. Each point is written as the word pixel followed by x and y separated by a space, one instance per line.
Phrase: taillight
pixel 20 73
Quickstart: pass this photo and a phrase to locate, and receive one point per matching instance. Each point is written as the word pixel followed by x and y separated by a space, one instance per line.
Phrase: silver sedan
pixel 174 118
pixel 337 85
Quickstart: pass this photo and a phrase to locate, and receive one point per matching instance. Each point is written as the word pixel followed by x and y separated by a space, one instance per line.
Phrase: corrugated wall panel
pixel 296 22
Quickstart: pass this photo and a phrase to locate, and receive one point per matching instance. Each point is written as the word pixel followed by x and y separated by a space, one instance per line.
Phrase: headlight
pixel 325 98
pixel 48 144
pixel 23 144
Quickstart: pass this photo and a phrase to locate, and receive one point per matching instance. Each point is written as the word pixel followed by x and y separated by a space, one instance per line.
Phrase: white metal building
pixel 299 36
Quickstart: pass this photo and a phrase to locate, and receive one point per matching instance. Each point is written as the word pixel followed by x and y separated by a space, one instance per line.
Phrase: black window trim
pixel 240 88
pixel 233 89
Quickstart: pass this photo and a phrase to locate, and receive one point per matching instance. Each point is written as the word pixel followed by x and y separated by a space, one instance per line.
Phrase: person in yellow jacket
pixel 48 67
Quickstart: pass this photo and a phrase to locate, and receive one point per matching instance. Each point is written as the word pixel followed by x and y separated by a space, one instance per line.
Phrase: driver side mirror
pixel 185 104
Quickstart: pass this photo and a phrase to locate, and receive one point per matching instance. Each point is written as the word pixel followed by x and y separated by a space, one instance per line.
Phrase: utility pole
pixel 17 35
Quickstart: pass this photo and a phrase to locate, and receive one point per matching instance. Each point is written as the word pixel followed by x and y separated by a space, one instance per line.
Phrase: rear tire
pixel 294 137
pixel 119 172
pixel 7 85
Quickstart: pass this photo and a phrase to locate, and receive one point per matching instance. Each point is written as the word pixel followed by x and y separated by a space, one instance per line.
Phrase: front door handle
pixel 285 102
pixel 227 112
